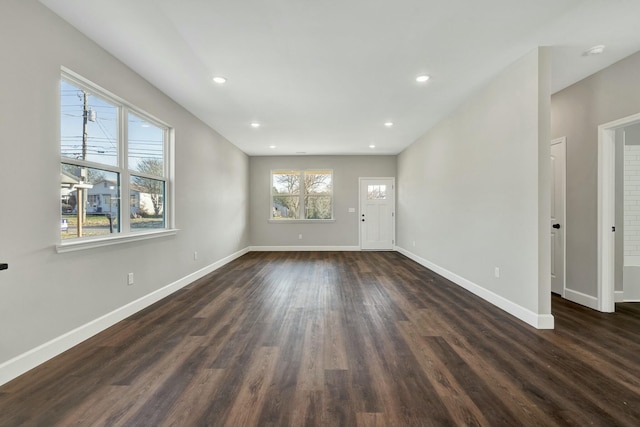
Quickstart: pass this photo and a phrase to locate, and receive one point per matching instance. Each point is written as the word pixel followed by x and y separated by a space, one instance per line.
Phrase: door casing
pixel 606 210
pixel 561 180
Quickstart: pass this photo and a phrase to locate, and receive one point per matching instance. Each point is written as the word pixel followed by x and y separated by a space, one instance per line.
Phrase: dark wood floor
pixel 337 339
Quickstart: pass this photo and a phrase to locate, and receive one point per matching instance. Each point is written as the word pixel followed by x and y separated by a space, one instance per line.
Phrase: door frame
pixel 606 210
pixel 563 229
pixel 393 225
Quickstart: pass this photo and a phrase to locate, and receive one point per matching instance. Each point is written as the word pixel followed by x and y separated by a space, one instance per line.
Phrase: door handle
pixel 4 266
pixel 556 226
pixel 362 219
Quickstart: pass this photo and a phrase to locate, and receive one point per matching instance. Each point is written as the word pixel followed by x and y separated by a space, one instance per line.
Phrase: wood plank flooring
pixel 337 339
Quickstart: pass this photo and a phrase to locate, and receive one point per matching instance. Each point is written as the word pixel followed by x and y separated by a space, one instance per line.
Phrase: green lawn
pixel 98 225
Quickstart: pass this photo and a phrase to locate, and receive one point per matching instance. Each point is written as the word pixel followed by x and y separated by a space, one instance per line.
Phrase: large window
pixel 108 149
pixel 302 195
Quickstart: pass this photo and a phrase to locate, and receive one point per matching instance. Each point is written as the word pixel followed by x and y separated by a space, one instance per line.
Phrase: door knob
pixel 556 226
pixel 362 219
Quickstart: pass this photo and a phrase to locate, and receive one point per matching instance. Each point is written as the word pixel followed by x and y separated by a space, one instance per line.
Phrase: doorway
pixel 377 213
pixel 607 209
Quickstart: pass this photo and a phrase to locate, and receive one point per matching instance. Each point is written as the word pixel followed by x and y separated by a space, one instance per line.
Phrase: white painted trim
pixel 22 363
pixel 563 230
pixel 619 296
pixel 539 321
pixel 606 211
pixel 304 248
pixel 625 121
pixel 606 219
pixel 631 300
pixel 582 299
pixel 80 244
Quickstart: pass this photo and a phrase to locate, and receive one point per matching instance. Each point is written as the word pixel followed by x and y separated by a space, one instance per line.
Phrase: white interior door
pixel 558 223
pixel 377 213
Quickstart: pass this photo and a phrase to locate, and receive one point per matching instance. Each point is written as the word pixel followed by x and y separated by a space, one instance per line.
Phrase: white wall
pixel 343 232
pixel 45 295
pixel 473 193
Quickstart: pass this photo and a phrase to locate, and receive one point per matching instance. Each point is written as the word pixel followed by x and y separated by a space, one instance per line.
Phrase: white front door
pixel 558 223
pixel 377 213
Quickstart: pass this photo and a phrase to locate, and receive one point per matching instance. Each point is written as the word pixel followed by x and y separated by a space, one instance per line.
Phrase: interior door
pixel 558 226
pixel 377 213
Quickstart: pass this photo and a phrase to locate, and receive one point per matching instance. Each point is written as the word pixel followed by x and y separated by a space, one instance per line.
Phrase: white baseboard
pixel 539 321
pixel 618 296
pixel 22 363
pixel 303 248
pixel 582 299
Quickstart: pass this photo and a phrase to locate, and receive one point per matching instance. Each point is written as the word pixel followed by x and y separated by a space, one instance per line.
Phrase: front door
pixel 377 213
pixel 558 233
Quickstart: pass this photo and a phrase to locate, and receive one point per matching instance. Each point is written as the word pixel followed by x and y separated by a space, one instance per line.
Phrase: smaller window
pixel 84 199
pixel 149 211
pixel 376 192
pixel 285 191
pixel 306 195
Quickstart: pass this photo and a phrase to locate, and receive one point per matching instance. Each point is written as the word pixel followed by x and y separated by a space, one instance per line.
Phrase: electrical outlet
pixel 195 256
pixel 130 279
pixel 299 236
pixel 496 272
pixel 414 243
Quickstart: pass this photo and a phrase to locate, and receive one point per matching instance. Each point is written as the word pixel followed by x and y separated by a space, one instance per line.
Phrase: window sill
pixel 300 221
pixel 80 245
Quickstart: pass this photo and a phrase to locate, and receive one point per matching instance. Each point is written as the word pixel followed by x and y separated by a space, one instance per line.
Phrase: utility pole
pixel 85 120
pixel 82 193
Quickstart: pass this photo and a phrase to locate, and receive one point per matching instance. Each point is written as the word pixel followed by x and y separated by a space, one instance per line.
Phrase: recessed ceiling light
pixel 255 125
pixel 372 146
pixel 596 50
pixel 272 147
pixel 220 80
pixel 388 124
pixel 422 78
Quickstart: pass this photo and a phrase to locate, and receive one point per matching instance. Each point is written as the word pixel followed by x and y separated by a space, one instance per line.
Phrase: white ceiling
pixel 323 76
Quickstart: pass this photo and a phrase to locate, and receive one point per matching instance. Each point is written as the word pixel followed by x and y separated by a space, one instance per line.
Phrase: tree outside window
pixel 306 195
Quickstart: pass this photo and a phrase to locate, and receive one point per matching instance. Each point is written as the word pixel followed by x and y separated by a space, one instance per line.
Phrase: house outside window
pixel 301 195
pixel 109 148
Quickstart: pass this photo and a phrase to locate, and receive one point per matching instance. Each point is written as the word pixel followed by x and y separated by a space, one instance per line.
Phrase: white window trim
pixel 125 235
pixel 300 220
pixel 98 242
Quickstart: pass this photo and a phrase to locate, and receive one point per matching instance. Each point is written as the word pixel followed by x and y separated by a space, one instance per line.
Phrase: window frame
pixel 302 207
pixel 122 168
